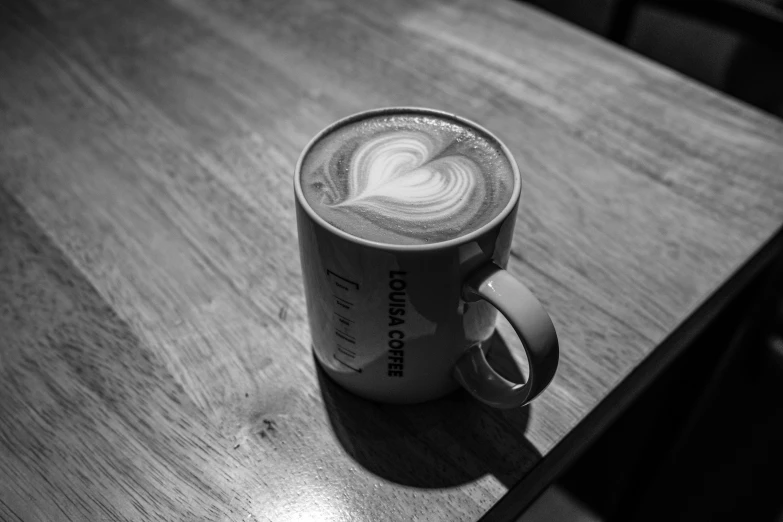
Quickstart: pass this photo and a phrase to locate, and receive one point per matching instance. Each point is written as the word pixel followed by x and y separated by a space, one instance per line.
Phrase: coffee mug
pixel 406 323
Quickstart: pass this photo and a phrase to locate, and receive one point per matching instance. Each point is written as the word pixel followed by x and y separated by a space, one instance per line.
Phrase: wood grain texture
pixel 157 360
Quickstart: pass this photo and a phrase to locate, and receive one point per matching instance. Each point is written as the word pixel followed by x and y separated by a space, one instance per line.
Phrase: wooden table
pixel 155 351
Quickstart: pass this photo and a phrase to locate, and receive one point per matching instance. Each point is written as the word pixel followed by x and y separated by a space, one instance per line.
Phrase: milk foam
pixel 407 179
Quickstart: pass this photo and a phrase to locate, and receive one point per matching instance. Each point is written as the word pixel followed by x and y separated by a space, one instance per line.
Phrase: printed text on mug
pixel 396 342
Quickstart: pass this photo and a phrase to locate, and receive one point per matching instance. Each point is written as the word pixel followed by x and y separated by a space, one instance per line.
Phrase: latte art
pixel 397 177
pixel 407 179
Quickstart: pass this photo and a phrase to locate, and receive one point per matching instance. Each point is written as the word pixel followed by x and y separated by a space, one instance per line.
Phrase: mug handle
pixel 534 328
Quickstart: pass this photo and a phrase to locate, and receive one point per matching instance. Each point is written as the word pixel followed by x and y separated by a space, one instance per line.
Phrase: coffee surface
pixel 407 178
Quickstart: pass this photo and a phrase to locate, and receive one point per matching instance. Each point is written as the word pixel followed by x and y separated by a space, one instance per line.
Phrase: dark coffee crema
pixel 407 178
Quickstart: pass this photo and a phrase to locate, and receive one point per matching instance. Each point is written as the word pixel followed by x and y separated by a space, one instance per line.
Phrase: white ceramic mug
pixel 410 323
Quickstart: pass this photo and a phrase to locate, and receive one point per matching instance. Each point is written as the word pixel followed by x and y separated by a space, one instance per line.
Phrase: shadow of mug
pixel 440 443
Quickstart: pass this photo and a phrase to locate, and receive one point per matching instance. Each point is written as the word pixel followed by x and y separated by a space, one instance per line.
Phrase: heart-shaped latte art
pixel 398 176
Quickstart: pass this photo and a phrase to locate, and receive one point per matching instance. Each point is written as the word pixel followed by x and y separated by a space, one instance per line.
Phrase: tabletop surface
pixel 155 350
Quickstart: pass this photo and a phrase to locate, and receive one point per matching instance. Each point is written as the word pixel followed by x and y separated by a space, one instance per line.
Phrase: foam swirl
pixel 398 177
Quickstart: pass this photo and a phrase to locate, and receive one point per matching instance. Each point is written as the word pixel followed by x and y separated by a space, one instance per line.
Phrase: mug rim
pixel 366 114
